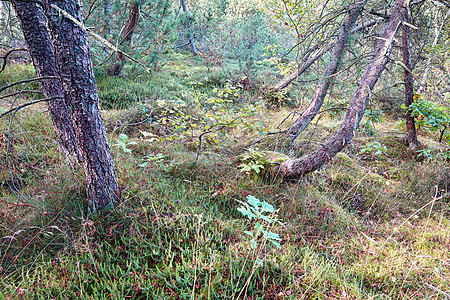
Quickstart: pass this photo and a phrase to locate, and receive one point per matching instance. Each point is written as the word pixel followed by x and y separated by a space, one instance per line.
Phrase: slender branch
pixel 21 92
pixel 5 57
pixel 101 39
pixel 28 104
pixel 26 81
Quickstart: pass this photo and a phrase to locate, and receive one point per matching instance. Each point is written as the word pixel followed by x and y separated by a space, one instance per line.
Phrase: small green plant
pixel 429 115
pixel 265 216
pixel 123 143
pixel 374 148
pixel 372 116
pixel 155 158
pixel 446 155
pixel 426 153
pixel 253 162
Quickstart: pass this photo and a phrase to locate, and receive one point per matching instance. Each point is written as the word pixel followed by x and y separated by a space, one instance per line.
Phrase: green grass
pixel 361 227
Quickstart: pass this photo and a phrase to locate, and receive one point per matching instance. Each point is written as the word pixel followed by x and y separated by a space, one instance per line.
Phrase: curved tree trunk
pixel 34 26
pixel 411 135
pixel 297 167
pixel 191 38
pixel 335 63
pixel 133 17
pixel 309 60
pixel 75 68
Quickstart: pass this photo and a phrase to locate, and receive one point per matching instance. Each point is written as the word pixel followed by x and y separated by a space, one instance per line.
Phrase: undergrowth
pixel 369 225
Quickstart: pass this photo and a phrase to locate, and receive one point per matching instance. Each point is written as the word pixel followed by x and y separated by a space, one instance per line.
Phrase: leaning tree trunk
pixel 335 62
pixel 34 26
pixel 311 162
pixel 309 60
pixel 133 17
pixel 75 68
pixel 191 38
pixel 411 135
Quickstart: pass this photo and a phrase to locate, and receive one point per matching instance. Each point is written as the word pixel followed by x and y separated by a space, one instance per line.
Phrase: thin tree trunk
pixel 335 63
pixel 133 17
pixel 34 26
pixel 75 68
pixel 191 39
pixel 437 33
pixel 297 167
pixel 285 82
pixel 411 135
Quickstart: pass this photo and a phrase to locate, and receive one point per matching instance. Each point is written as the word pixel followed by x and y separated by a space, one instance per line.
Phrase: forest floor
pixel 190 149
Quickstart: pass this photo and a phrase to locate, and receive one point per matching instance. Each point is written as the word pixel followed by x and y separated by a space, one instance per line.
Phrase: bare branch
pixel 15 109
pixel 5 57
pixel 26 81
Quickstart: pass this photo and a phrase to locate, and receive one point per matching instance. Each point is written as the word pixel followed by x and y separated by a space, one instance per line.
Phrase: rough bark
pixel 75 68
pixel 128 31
pixel 297 167
pixel 34 26
pixel 191 38
pixel 411 135
pixel 309 60
pixel 335 63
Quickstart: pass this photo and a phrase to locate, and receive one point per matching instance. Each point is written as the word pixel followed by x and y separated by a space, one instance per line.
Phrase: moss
pixel 343 179
pixel 344 160
pixel 375 178
pixel 273 157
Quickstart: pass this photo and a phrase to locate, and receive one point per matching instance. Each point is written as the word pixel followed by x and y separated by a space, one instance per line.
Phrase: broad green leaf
pixel 123 137
pixel 255 202
pixel 276 244
pixel 267 207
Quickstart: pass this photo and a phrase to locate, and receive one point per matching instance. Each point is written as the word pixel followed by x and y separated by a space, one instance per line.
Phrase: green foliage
pixel 123 143
pixel 372 117
pixel 264 216
pixel 374 148
pixel 426 153
pixel 253 162
pixel 152 36
pixel 429 115
pixel 120 93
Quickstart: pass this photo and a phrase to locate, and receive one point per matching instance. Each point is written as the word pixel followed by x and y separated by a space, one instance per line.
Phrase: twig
pixel 5 57
pixel 15 109
pixel 98 37
pixel 26 81
pixel 21 92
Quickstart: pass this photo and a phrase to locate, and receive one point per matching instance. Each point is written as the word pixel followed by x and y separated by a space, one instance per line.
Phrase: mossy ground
pixel 362 227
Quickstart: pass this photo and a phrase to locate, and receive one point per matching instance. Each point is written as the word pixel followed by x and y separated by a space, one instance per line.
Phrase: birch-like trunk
pixel 335 62
pixel 297 167
pixel 411 135
pixel 309 59
pixel 191 38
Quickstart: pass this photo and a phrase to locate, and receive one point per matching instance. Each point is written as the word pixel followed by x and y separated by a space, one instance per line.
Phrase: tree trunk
pixel 437 33
pixel 191 39
pixel 133 17
pixel 310 60
pixel 34 26
pixel 335 62
pixel 75 68
pixel 411 135
pixel 297 167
